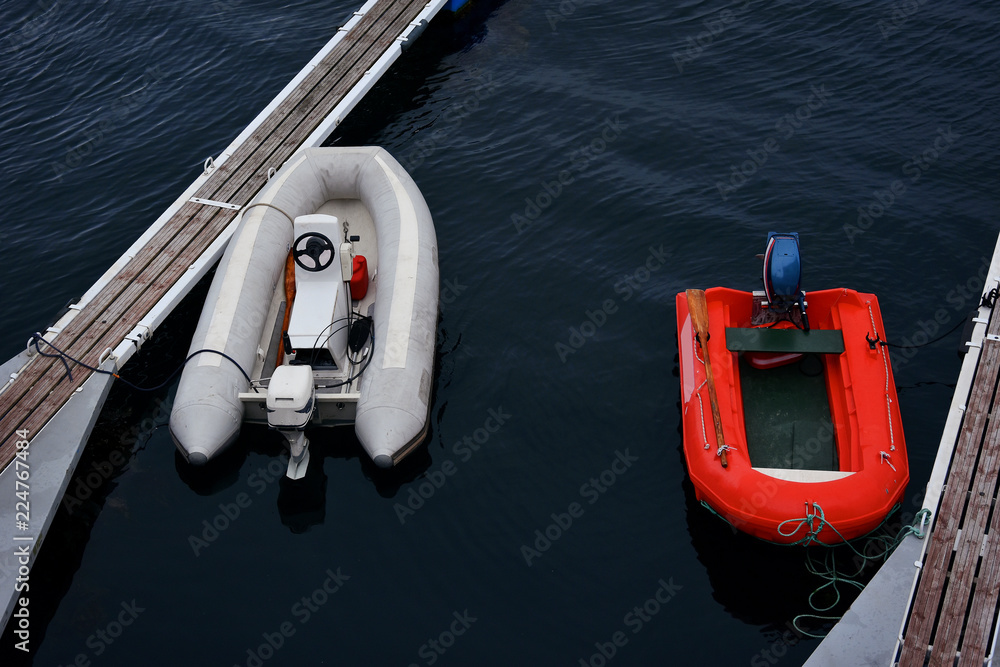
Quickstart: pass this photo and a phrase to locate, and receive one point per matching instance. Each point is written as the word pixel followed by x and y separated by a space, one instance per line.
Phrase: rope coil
pixel 884 545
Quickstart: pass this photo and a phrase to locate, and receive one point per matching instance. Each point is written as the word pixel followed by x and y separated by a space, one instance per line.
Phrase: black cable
pixel 36 338
pixel 354 377
pixel 911 346
pixel 989 299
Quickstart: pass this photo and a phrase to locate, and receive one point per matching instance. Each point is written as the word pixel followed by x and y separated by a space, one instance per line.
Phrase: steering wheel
pixel 313 245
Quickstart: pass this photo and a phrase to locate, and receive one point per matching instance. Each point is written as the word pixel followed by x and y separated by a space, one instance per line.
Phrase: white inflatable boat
pixel 323 311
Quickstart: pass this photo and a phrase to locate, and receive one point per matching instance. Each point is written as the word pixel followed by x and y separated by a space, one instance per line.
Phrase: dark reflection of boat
pixel 302 502
pixel 761 583
pixel 745 573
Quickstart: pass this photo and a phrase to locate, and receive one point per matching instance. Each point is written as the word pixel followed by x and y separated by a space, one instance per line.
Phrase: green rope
pixel 884 544
pixel 814 522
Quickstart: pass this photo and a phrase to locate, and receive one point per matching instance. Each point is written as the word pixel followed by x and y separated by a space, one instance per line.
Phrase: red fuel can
pixel 359 278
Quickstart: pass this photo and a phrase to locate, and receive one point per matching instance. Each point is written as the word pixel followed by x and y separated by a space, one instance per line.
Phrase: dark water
pixel 584 161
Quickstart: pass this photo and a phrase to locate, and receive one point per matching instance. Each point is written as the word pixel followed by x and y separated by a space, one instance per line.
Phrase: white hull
pixel 388 395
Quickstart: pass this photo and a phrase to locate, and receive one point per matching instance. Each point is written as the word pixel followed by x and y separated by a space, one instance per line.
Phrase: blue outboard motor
pixel 783 274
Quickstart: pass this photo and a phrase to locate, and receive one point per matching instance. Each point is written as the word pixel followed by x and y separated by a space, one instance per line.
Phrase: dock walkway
pixel 953 613
pixel 935 600
pixel 43 386
pixel 53 407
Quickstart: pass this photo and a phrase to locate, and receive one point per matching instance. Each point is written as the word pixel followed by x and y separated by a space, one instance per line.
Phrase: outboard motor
pixel 291 400
pixel 783 275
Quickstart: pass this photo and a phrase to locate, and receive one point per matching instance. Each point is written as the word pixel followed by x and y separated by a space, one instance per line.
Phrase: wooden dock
pixel 953 614
pixel 935 599
pixel 43 386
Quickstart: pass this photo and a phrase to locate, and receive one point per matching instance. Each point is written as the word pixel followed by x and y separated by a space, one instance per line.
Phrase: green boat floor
pixel 787 416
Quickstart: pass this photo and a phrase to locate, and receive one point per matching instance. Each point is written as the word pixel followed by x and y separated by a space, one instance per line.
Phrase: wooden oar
pixel 699 318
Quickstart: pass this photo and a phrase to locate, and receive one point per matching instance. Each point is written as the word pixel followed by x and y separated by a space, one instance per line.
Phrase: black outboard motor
pixel 783 275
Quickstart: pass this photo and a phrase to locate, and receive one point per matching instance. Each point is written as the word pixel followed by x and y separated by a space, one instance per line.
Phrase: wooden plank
pixel 931 600
pixel 935 569
pixel 984 603
pixel 43 387
pixel 956 598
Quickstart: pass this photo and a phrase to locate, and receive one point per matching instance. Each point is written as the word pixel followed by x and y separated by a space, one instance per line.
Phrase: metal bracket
pixel 107 354
pixel 140 334
pixel 212 202
pixel 992 337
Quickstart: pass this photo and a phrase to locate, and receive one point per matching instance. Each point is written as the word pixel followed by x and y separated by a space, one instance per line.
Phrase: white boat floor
pixel 360 224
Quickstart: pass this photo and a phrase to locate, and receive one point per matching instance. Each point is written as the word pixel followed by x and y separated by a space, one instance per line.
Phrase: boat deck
pixel 115 313
pixel 953 614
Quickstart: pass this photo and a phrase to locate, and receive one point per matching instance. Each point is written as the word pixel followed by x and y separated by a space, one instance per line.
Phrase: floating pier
pixel 935 600
pixel 47 410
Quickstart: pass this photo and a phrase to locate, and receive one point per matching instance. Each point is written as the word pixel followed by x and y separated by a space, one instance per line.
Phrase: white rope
pixel 885 365
pixel 701 406
pixel 885 459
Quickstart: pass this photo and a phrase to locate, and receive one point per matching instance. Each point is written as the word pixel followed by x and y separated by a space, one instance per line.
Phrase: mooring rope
pixel 884 545
pixel 885 365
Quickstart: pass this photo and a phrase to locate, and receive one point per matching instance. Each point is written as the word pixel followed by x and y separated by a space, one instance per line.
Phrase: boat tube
pixel 810 419
pixel 371 357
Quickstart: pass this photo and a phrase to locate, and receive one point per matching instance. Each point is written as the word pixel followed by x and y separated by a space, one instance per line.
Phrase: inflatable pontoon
pixel 323 311
pixel 792 429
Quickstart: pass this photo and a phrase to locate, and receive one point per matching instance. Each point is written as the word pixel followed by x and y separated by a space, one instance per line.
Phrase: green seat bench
pixel 816 341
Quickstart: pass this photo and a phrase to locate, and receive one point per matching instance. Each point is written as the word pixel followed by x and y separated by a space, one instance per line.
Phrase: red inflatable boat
pixel 811 443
